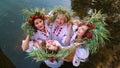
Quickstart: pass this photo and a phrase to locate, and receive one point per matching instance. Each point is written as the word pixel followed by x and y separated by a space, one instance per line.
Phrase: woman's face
pixel 60 19
pixel 39 24
pixel 81 30
pixel 51 45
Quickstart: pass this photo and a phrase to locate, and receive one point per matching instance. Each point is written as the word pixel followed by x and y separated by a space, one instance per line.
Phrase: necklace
pixel 46 34
pixel 59 30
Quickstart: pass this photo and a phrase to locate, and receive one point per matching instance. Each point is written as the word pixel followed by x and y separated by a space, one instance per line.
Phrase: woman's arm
pixel 67 40
pixel 75 45
pixel 25 44
pixel 69 58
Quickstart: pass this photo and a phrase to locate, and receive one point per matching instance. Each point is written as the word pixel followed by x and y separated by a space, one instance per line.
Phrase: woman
pixel 61 27
pixel 41 32
pixel 81 54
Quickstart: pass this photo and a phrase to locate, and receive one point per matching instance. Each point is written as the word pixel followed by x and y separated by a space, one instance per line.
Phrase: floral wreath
pixel 97 33
pixel 30 15
pixel 67 13
pixel 42 55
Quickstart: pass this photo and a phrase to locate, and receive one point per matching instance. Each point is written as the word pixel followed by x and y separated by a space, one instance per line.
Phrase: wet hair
pixel 48 50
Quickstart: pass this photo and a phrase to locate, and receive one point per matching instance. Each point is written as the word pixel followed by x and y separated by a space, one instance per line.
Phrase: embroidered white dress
pixel 39 36
pixel 73 29
pixel 81 53
pixel 59 33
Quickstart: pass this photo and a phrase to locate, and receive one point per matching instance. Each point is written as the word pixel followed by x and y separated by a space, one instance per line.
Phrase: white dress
pixel 39 36
pixel 73 29
pixel 60 33
pixel 81 53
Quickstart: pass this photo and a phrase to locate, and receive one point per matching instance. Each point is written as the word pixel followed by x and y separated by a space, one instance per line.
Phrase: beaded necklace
pixel 46 34
pixel 59 30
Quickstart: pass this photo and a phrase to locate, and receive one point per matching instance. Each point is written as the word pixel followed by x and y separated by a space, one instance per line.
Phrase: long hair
pixel 81 24
pixel 37 15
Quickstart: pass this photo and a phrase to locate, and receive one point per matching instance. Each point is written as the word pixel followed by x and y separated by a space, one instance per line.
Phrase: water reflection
pixel 108 56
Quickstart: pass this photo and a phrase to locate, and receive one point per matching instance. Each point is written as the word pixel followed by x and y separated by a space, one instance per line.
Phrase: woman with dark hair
pixel 38 23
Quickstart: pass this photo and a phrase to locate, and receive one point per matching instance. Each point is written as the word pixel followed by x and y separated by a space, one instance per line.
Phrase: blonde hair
pixel 68 14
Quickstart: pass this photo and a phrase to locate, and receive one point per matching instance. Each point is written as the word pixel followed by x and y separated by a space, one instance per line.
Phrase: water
pixel 11 33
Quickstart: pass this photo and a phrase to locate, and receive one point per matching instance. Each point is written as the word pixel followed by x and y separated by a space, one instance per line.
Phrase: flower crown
pixel 36 16
pixel 87 34
pixel 97 33
pixel 30 16
pixel 61 10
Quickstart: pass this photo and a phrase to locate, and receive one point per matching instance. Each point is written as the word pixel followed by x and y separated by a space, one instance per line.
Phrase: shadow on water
pixel 109 55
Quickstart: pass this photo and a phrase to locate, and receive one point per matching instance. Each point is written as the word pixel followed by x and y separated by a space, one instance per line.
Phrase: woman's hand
pixel 36 44
pixel 77 44
pixel 76 22
pixel 25 45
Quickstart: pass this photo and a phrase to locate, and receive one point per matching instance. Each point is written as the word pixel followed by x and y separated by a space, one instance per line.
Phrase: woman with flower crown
pixel 78 30
pixel 37 29
pixel 90 35
pixel 80 53
pixel 61 27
